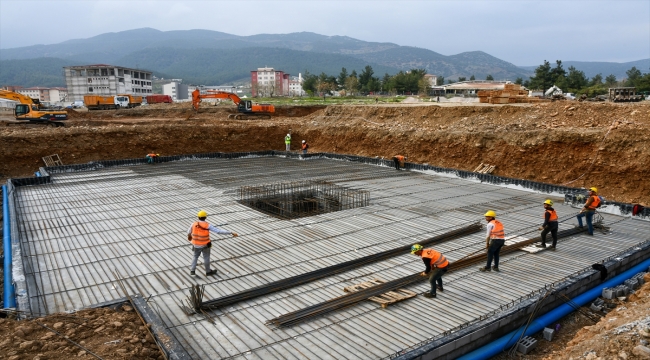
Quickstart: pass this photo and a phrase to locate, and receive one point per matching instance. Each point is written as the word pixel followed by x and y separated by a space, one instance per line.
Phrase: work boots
pixel 429 295
pixel 211 272
pixel 484 269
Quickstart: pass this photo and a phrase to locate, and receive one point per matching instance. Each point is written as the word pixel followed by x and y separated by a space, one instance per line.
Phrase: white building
pixel 177 90
pixel 295 86
pixel 102 79
pixel 432 79
pixel 45 94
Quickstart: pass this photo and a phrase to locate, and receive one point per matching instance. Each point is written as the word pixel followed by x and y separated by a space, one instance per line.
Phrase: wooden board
pixel 385 299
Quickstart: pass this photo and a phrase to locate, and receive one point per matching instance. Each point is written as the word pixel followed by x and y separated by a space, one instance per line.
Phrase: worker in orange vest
pixel 494 241
pixel 550 224
pixel 199 235
pixel 589 210
pixel 436 264
pixel 151 157
pixel 304 147
pixel 398 160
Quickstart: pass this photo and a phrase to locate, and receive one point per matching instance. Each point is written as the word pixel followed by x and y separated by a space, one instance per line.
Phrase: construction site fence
pixel 44 173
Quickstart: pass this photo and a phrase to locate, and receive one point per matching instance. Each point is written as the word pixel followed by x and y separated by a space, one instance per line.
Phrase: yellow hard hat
pixel 491 213
pixel 548 202
pixel 415 248
pixel 594 189
pixel 202 213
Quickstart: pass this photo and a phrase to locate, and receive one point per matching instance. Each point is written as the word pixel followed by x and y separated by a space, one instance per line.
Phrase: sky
pixel 518 31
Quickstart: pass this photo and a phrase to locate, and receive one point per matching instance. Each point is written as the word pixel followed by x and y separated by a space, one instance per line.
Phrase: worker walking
pixel 589 210
pixel 287 142
pixel 398 160
pixel 494 241
pixel 436 264
pixel 304 147
pixel 199 235
pixel 550 224
pixel 151 157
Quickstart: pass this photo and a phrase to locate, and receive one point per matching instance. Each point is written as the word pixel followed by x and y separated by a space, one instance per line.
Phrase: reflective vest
pixel 200 233
pixel 437 259
pixel 152 155
pixel 497 231
pixel 399 158
pixel 287 139
pixel 305 146
pixel 594 202
pixel 553 216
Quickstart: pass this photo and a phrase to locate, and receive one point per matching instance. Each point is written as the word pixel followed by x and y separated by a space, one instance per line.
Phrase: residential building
pixel 432 79
pixel 58 94
pixel 295 86
pixel 37 92
pixel 177 90
pixel 103 79
pixel 269 82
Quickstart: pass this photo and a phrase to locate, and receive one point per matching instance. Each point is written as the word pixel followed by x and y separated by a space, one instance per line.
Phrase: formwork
pixel 82 224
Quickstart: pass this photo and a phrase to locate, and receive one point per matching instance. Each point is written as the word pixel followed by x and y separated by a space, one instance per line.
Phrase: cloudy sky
pixel 521 32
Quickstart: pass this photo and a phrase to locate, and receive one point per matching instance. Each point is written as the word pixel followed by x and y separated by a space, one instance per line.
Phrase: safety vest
pixel 200 233
pixel 553 216
pixel 399 158
pixel 151 155
pixel 437 259
pixel 287 139
pixel 594 202
pixel 305 146
pixel 497 231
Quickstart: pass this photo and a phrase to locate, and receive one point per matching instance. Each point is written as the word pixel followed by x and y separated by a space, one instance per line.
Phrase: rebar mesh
pixel 291 200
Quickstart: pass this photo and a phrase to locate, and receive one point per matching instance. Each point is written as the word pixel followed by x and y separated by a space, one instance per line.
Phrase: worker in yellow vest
pixel 436 264
pixel 199 235
pixel 494 241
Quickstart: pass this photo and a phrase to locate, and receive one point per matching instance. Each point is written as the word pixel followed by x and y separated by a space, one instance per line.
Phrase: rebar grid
pixel 292 200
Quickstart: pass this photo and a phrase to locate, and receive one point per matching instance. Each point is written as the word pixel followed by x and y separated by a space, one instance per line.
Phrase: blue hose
pixel 505 342
pixel 8 294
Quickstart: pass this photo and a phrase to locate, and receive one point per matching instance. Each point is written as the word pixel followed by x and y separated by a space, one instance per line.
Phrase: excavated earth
pixel 566 143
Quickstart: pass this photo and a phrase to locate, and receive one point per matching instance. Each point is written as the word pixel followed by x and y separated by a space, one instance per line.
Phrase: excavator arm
pixel 197 96
pixel 10 95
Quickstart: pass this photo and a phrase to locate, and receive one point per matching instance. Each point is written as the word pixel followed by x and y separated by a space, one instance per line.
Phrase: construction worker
pixel 589 209
pixel 494 241
pixel 436 264
pixel 550 224
pixel 304 147
pixel 287 142
pixel 199 235
pixel 398 160
pixel 151 157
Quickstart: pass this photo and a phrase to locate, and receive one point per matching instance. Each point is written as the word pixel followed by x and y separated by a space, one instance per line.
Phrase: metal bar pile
pixel 328 271
pixel 290 200
pixel 350 299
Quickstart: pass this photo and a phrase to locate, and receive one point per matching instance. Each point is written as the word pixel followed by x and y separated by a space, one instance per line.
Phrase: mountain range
pixel 213 57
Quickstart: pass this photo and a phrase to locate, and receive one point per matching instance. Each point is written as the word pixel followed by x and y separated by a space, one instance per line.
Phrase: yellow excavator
pixel 31 110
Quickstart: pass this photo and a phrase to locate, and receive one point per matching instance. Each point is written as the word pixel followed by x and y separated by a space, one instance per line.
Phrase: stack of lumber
pixel 511 94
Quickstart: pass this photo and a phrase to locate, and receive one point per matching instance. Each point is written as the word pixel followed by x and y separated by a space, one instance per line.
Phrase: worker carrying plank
pixel 550 224
pixel 199 235
pixel 589 210
pixel 398 160
pixel 436 264
pixel 494 241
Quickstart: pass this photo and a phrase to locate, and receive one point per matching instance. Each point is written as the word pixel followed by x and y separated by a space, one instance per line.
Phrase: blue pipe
pixel 9 292
pixel 505 342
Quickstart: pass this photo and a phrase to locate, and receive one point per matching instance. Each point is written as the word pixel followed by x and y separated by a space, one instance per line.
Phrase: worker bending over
pixel 151 157
pixel 398 160
pixel 304 147
pixel 287 142
pixel 589 209
pixel 199 235
pixel 436 265
pixel 494 241
pixel 550 224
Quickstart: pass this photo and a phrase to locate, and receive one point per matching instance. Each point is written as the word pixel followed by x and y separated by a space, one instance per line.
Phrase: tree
pixel 440 80
pixel 450 81
pixel 472 77
pixel 352 85
pixel 596 80
pixel 489 77
pixel 633 75
pixel 610 80
pixel 309 83
pixel 365 76
pixel 558 70
pixel 576 80
pixel 543 78
pixel 462 78
pixel 342 76
pixel 519 81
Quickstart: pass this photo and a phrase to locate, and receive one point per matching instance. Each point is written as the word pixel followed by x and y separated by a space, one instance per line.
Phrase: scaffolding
pixel 292 200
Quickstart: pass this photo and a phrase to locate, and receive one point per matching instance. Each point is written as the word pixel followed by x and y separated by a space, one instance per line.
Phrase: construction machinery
pixel 624 94
pixel 103 102
pixel 31 109
pixel 246 109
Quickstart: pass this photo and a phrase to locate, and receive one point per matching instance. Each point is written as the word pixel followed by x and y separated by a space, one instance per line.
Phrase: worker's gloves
pixel 540 228
pixel 423 274
pixel 235 234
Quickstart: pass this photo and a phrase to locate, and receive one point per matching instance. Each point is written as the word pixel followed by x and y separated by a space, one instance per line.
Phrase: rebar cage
pixel 291 200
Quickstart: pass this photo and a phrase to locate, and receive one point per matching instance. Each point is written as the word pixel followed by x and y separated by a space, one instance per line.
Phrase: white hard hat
pixel 288 134
pixel 303 141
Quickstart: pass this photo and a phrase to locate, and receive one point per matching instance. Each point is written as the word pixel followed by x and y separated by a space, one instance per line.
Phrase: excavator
pixel 247 110
pixel 31 110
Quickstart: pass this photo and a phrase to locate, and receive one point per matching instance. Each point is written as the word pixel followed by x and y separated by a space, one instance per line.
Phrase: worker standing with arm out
pixel 436 264
pixel 589 209
pixel 287 142
pixel 550 224
pixel 494 241
pixel 199 235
